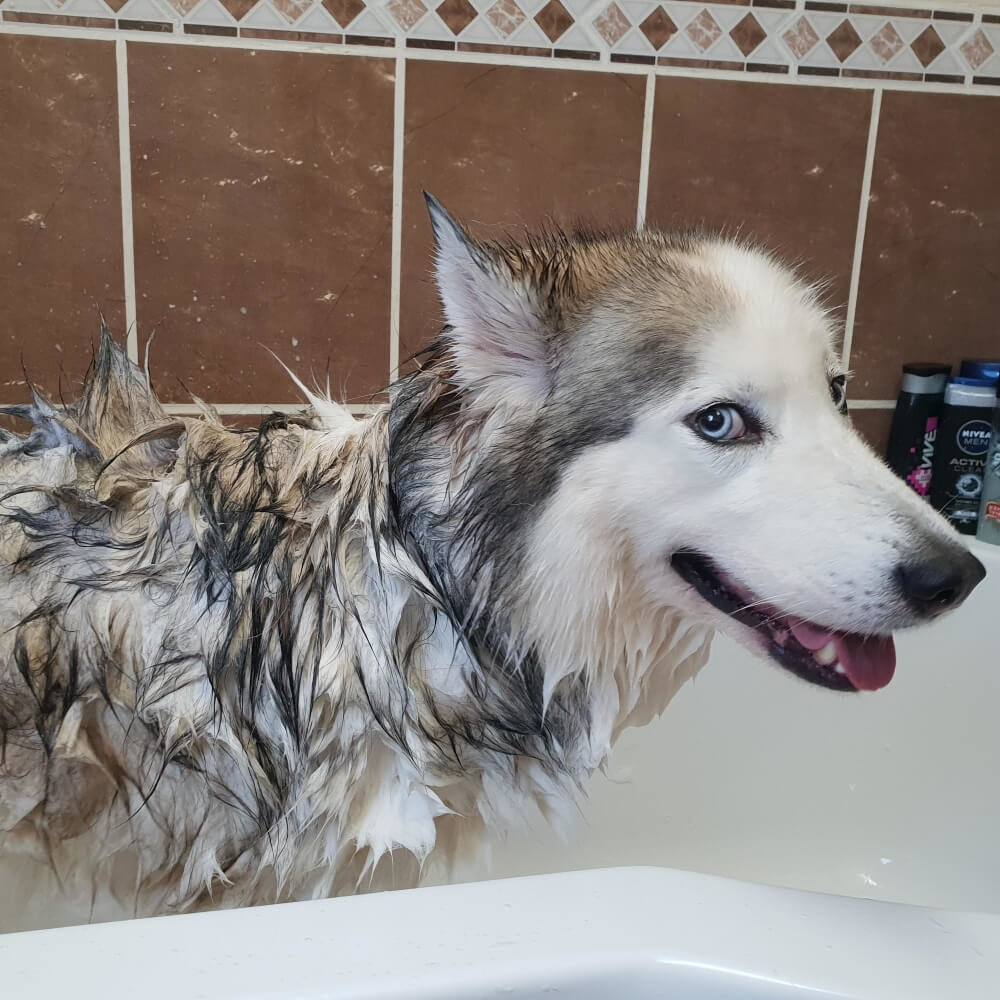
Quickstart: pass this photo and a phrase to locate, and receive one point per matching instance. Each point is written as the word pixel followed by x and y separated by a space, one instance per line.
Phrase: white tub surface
pixel 625 934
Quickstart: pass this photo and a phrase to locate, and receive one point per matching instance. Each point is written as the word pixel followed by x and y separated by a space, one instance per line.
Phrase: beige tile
pixel 777 164
pixel 930 284
pixel 60 209
pixel 505 147
pixel 263 187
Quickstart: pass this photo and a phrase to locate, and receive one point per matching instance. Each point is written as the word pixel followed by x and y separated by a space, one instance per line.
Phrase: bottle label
pixel 974 437
pixel 969 485
pixel 962 448
pixel 993 511
pixel 920 477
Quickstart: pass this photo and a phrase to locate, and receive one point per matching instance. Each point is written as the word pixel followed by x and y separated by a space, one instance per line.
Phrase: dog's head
pixel 662 424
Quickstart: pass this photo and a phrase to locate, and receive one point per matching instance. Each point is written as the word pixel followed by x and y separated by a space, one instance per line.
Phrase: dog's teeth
pixel 839 668
pixel 826 655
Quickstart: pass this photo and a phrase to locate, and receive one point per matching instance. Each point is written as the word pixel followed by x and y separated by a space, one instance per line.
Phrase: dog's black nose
pixel 936 585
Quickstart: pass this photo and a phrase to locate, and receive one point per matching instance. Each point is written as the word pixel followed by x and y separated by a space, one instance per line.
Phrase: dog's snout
pixel 933 586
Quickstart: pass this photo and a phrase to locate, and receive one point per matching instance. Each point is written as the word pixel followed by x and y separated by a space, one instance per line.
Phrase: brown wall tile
pixel 873 425
pixel 930 275
pixel 262 184
pixel 503 147
pixel 60 208
pixel 780 164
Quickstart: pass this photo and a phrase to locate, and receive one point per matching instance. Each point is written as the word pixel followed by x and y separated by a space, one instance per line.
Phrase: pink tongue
pixel 868 663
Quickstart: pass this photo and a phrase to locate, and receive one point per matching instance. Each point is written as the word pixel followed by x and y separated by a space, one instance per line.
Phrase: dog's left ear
pixel 498 333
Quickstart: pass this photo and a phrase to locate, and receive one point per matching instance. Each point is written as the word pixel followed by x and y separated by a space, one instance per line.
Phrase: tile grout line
pixel 248 408
pixel 492 59
pixel 647 145
pixel 859 236
pixel 181 409
pixel 125 181
pixel 398 115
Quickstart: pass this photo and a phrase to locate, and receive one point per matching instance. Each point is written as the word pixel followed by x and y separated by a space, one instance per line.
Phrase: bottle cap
pixel 970 392
pixel 979 368
pixel 925 378
pixel 924 368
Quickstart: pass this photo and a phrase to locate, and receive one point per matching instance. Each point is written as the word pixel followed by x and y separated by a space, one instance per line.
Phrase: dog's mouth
pixel 844 661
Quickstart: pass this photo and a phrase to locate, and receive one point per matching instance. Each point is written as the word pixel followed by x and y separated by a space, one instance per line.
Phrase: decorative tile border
pixel 810 38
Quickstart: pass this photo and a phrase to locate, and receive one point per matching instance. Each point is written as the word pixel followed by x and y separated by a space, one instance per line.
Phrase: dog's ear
pixel 498 333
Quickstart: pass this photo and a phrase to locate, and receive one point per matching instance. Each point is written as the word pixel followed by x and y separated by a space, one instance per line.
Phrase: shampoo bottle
pixel 989 508
pixel 915 423
pixel 962 443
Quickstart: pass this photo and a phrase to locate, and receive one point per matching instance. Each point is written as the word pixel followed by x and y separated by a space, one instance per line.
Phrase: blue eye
pixel 720 422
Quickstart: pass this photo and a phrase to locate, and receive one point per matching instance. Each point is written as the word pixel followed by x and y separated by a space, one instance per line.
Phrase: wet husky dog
pixel 240 666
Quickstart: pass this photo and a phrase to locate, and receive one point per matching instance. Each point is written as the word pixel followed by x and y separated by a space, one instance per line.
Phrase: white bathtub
pixel 625 934
pixel 751 775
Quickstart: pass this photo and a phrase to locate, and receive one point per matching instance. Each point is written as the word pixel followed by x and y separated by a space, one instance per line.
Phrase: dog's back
pixel 163 595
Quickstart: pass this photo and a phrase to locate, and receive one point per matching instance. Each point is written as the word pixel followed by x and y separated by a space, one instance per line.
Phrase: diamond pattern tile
pixel 844 40
pixel 506 16
pixel 977 49
pixel 778 35
pixel 658 28
pixel 554 19
pixel 886 43
pixel 704 31
pixel 612 24
pixel 927 45
pixel 748 34
pixel 291 10
pixel 406 12
pixel 238 8
pixel 457 14
pixel 801 37
pixel 344 11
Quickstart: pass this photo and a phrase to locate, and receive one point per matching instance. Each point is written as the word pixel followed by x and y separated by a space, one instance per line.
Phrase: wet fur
pixel 326 654
pixel 241 666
